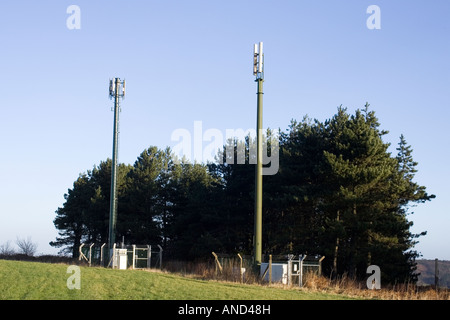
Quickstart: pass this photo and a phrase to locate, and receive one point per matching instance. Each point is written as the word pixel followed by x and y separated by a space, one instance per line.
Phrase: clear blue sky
pixel 190 60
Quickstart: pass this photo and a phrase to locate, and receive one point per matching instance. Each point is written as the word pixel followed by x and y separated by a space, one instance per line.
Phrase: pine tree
pixel 195 223
pixel 360 167
pixel 84 217
pixel 235 194
pixel 143 205
pixel 69 218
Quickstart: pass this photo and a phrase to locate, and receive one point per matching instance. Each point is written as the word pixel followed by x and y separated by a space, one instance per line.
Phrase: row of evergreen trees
pixel 339 192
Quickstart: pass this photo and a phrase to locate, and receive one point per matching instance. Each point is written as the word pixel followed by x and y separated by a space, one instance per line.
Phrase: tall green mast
pixel 258 71
pixel 116 91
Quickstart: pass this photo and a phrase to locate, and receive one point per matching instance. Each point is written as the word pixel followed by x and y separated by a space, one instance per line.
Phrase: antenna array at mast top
pixel 258 60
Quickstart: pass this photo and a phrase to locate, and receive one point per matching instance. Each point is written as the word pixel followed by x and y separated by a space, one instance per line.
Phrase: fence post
pixel 102 263
pixel 217 262
pixel 320 265
pixel 300 266
pixel 270 269
pixel 81 252
pixel 90 254
pixel 134 256
pixel 436 274
pixel 241 274
pixel 113 257
pixel 289 272
pixel 160 256
pixel 149 256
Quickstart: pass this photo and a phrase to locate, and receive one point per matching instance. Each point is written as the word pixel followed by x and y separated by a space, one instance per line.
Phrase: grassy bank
pixel 41 281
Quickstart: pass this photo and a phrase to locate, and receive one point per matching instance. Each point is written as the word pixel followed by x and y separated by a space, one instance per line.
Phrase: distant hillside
pixel 426 269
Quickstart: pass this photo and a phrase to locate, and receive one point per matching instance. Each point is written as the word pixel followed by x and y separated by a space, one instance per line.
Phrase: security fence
pixel 125 257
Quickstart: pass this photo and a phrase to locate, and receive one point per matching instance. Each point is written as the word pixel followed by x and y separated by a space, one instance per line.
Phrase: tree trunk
pixel 353 246
pixel 336 248
pixel 76 245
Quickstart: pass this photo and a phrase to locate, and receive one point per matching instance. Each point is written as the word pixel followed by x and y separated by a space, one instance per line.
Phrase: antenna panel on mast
pixel 260 60
pixel 111 88
pixel 255 59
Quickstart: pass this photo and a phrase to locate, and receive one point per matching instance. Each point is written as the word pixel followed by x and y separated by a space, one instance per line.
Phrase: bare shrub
pixel 6 249
pixel 26 246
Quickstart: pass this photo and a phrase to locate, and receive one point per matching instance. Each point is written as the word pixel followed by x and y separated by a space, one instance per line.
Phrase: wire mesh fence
pixel 126 257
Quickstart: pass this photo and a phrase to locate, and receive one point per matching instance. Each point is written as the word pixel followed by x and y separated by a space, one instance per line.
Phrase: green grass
pixel 21 280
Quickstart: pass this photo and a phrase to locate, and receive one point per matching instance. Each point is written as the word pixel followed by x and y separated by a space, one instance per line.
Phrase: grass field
pixel 21 280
